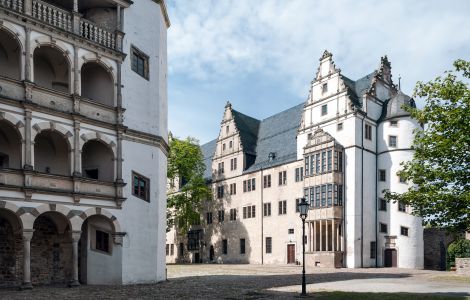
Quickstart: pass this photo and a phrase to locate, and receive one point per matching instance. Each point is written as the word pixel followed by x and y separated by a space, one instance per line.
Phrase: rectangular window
pixel 383 228
pixel 139 62
pixel 253 186
pixel 324 88
pixel 323 161
pixel 102 241
pixel 141 187
pixel 329 160
pixel 299 174
pixel 339 126
pixel 393 123
pixel 226 129
pixel 253 211
pixel 283 178
pixel 194 240
pixel 401 206
pixel 317 196
pixel 382 205
pixel 335 166
pixel 297 202
pixel 382 175
pixel 368 132
pixel 242 246
pixel 220 192
pixel 312 164
pixel 403 230
pixel 233 214
pixel 267 181
pixel 335 195
pixel 312 195
pixel 290 231
pixel 221 215
pixel 340 161
pixel 249 212
pixel 224 247
pixel 306 165
pixel 318 163
pixel 392 141
pixel 340 194
pixel 373 249
pixel 234 163
pixel 209 218
pixel 323 195
pixel 223 147
pixel 330 194
pixel 231 165
pixel 233 189
pixel 324 110
pixel 269 244
pixel 230 144
pixel 167 249
pixel 266 209
pixel 283 207
pixel 172 249
pixel 220 168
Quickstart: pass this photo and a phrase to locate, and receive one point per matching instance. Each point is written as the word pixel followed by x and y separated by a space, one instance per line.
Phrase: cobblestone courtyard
pixel 259 282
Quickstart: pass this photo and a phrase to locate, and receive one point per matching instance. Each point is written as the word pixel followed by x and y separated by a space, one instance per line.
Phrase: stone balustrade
pixel 52 15
pixel 16 5
pixel 93 32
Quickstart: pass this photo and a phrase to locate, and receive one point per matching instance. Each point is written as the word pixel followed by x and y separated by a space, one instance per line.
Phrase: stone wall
pixel 11 255
pixel 436 242
pixel 463 266
pixel 51 254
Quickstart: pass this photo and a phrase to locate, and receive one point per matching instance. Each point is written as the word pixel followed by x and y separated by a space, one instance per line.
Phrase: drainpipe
pixel 261 210
pixel 362 193
pixel 376 193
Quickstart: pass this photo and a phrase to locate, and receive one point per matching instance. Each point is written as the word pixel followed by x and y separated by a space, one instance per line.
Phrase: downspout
pixel 362 193
pixel 261 210
pixel 376 193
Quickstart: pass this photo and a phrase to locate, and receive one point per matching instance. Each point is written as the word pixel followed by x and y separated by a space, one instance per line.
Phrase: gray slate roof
pixel 208 151
pixel 358 88
pixel 394 106
pixel 248 128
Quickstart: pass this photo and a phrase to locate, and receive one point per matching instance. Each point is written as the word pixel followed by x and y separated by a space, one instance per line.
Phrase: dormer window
pixel 324 88
pixel 271 156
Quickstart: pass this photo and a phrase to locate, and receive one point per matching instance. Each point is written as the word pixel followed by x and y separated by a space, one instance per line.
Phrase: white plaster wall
pixel 145 101
pixel 144 222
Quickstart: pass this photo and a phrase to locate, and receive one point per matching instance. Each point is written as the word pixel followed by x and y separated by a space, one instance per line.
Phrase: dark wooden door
pixel 390 258
pixel 290 254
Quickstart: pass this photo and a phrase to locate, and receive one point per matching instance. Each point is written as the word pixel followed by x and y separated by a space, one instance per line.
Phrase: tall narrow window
pixel 242 246
pixel 392 141
pixel 340 194
pixel 329 160
pixel 329 195
pixel 318 163
pixel 323 195
pixel 317 196
pixel 382 175
pixel 209 218
pixel 282 207
pixel 306 165
pixel 141 187
pixel 224 247
pixel 139 62
pixel 373 249
pixel 312 164
pixel 368 132
pixel 102 241
pixel 324 110
pixel 324 88
pixel 297 202
pixel 221 216
pixel 323 161
pixel 269 244
pixel 312 195
pixel 267 209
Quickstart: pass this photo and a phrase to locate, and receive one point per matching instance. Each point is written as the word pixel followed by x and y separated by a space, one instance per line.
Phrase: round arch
pixel 102 212
pixel 11 66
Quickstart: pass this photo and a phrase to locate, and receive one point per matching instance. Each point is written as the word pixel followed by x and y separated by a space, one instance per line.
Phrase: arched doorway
pixel 99 257
pixel 51 153
pixel 390 258
pixel 11 249
pixel 51 250
pixel 97 84
pixel 10 146
pixel 51 69
pixel 97 161
pixel 10 58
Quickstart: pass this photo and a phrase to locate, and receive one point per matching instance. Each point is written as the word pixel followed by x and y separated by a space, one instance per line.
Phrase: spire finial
pixel 399 81
pixel 228 104
pixel 326 54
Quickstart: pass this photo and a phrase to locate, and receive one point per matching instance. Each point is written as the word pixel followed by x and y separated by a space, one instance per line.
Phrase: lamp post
pixel 303 209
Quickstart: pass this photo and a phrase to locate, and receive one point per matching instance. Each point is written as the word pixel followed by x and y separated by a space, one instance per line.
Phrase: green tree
pixel 458 249
pixel 440 166
pixel 185 164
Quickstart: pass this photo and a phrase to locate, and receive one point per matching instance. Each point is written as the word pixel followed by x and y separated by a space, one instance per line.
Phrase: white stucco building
pixel 340 150
pixel 83 141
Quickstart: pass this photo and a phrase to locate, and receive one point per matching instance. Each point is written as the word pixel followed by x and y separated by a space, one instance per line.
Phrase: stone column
pixel 333 240
pixel 119 158
pixel 27 236
pixel 27 55
pixel 76 18
pixel 76 72
pixel 28 7
pixel 28 164
pixel 75 238
pixel 337 238
pixel 327 239
pixel 314 235
pixel 77 168
pixel 321 235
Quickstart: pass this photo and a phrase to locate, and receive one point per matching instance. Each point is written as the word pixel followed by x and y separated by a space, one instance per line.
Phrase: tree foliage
pixel 439 170
pixel 185 165
pixel 458 249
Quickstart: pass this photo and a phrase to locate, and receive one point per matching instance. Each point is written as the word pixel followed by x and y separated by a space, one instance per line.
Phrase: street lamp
pixel 303 209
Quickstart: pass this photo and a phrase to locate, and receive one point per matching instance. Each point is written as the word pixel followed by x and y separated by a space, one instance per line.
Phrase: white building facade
pixel 340 150
pixel 83 141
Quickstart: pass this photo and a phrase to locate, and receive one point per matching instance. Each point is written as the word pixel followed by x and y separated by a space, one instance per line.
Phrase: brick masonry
pixel 11 255
pixel 51 254
pixel 463 266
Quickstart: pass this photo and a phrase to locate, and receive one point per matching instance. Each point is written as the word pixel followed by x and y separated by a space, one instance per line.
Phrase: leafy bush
pixel 458 249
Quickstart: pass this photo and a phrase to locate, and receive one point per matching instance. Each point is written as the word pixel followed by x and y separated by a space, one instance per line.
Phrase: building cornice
pixel 164 11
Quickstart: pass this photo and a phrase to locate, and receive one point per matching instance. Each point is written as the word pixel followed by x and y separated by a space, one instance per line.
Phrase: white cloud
pixel 214 40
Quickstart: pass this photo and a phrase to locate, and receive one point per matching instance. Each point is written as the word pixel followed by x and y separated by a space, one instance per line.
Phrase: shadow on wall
pixel 220 237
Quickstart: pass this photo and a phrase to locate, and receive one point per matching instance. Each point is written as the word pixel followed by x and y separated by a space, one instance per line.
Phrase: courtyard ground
pixel 268 282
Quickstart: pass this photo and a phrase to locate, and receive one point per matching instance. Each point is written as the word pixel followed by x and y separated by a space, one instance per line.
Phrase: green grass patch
pixel 382 296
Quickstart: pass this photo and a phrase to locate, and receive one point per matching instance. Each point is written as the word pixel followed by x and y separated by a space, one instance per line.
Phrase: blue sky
pixel 261 55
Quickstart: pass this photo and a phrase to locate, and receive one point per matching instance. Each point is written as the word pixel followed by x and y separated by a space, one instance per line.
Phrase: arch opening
pixel 10 56
pixel 97 84
pixel 51 153
pixel 51 250
pixel 51 69
pixel 10 146
pixel 11 249
pixel 97 161
pixel 99 258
